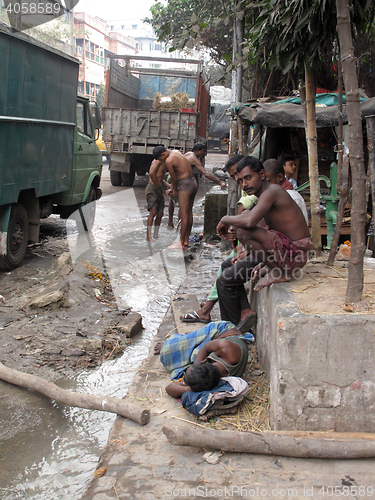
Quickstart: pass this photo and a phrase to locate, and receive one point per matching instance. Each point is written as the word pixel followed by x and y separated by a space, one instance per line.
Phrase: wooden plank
pixel 182 304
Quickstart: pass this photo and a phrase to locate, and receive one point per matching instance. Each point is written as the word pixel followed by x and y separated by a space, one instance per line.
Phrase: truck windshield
pixel 83 120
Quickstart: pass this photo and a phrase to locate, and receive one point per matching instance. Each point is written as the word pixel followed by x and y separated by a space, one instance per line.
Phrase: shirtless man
pixel 281 249
pixel 184 185
pixel 191 357
pixel 225 357
pixel 155 198
pixel 195 156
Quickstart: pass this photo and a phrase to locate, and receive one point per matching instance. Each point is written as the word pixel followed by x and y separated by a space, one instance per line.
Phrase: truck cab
pixel 49 161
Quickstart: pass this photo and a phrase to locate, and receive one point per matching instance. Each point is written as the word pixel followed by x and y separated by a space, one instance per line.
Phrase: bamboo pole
pixel 298 444
pixel 88 401
pixel 312 147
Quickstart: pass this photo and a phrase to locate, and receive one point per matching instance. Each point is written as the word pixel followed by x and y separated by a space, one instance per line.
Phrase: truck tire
pixel 17 238
pixel 115 177
pixel 127 179
pixel 88 211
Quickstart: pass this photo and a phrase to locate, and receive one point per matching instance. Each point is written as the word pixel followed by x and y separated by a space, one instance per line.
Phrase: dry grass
pixel 176 103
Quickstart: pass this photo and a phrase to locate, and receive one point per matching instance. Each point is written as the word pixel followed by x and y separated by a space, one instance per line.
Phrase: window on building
pixel 134 26
pixel 138 46
pixel 158 46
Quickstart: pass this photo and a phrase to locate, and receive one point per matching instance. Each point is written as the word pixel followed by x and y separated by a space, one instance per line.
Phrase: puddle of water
pixel 143 276
pixel 73 442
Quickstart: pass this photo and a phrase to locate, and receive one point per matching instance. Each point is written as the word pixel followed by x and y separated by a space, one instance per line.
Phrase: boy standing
pixel 155 198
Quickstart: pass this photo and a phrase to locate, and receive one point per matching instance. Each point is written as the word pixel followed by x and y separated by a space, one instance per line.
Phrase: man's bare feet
pixel 148 238
pixel 258 272
pixel 176 245
pixel 170 226
pixel 158 347
pixel 273 276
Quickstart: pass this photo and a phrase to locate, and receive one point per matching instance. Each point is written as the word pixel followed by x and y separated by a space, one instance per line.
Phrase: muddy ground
pixel 56 317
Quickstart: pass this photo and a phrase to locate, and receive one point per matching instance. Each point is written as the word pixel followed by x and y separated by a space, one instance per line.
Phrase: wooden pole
pixel 312 147
pixel 341 188
pixel 298 444
pixel 89 401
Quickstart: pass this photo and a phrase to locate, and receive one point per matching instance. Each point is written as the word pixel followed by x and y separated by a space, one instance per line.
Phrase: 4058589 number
pixel 347 491
pixel 33 8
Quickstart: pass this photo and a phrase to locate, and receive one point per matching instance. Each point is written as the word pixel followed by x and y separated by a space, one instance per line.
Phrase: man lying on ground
pixel 203 356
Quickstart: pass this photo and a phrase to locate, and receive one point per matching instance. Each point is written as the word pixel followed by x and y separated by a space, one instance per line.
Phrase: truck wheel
pixel 17 238
pixel 115 177
pixel 88 211
pixel 127 178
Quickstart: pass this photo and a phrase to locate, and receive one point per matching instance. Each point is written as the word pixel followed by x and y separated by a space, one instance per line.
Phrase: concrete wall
pixel 215 207
pixel 321 367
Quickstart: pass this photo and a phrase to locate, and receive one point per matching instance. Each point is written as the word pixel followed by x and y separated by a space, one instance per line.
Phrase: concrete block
pixel 182 304
pixel 215 207
pixel 320 366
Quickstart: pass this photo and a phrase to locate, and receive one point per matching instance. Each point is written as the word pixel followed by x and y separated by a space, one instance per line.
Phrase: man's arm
pixel 248 218
pixel 195 161
pixel 176 389
pixel 172 173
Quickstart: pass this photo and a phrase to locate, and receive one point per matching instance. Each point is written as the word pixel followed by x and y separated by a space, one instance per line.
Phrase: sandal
pixel 193 318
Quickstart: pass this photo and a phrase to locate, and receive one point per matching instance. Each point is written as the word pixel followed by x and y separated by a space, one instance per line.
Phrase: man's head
pixel 289 166
pixel 231 166
pixel 274 171
pixel 225 138
pixel 202 376
pixel 160 153
pixel 200 150
pixel 251 175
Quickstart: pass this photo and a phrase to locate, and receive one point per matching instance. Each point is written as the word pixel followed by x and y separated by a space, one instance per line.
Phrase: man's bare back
pixel 180 165
pixel 157 171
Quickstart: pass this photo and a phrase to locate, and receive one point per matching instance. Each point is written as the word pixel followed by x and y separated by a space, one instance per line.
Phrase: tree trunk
pixel 358 212
pixel 89 401
pixel 312 147
pixel 299 444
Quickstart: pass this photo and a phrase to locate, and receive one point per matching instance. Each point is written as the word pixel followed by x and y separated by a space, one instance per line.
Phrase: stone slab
pixel 181 304
pixel 320 366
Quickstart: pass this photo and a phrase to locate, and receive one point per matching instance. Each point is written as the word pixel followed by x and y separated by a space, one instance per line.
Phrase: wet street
pixel 49 451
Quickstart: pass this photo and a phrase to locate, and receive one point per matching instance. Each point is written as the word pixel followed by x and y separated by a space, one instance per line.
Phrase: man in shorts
pixel 155 198
pixel 184 185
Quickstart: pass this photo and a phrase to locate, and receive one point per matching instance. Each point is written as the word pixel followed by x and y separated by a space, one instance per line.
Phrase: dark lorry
pixel 133 128
pixel 49 162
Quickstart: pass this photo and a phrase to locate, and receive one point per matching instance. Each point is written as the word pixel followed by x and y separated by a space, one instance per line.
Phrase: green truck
pixel 49 161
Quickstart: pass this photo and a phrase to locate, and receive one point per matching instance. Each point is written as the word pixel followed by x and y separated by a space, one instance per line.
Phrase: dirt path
pixel 56 316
